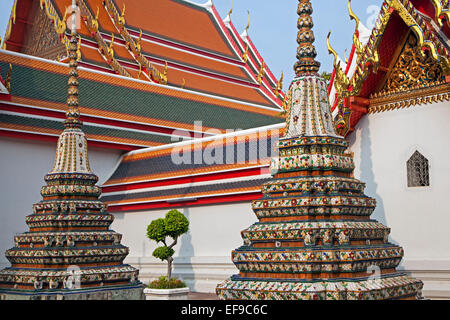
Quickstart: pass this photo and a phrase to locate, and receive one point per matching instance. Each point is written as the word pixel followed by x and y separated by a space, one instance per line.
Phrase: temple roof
pixel 374 59
pixel 118 112
pixel 201 53
pixel 220 169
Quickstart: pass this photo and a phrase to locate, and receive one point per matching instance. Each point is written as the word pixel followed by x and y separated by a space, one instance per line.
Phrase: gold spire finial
pixel 306 52
pixel 73 112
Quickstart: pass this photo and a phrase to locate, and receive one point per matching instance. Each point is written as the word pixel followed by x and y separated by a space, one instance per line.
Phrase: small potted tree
pixel 174 225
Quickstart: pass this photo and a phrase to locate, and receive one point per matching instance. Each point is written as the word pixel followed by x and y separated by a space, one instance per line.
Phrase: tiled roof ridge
pixel 204 140
pixel 221 101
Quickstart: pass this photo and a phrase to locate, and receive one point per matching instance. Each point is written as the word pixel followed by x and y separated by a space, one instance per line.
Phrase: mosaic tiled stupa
pixel 69 252
pixel 315 239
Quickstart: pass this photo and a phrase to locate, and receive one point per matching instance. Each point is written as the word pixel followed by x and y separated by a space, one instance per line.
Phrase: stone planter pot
pixel 166 294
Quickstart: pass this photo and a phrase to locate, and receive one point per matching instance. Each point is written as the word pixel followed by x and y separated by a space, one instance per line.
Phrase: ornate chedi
pixel 315 238
pixel 69 252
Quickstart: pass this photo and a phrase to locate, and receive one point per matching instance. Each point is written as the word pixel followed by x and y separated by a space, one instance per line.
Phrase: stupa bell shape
pixel 315 238
pixel 69 252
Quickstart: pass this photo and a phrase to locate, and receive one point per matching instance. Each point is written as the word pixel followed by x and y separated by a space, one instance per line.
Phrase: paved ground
pixel 202 296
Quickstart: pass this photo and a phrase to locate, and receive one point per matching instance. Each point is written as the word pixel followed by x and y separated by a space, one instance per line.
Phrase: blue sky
pixel 274 27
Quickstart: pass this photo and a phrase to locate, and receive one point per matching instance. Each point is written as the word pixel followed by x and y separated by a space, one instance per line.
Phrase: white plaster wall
pixel 24 163
pixel 203 256
pixel 419 217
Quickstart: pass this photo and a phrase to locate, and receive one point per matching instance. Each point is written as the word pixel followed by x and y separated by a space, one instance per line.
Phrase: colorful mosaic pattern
pixel 69 247
pixel 314 239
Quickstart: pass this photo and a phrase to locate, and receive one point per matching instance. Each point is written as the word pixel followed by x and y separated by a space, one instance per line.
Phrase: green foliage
pixel 173 225
pixel 163 283
pixel 176 224
pixel 326 76
pixel 163 253
pixel 157 230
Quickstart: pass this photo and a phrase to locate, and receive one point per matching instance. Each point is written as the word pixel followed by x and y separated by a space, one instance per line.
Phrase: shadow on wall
pixel 366 169
pixel 182 268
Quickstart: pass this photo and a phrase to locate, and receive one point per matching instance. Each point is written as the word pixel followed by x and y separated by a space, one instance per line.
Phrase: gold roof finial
pixel 306 52
pixel 140 71
pixel 279 87
pixel 248 24
pixel 358 45
pixel 231 10
pixel 8 79
pixel 353 16
pixel 121 19
pixel 111 47
pixel 183 84
pixel 332 51
pixel 138 43
pixel 245 56
pixel 262 72
pixel 79 48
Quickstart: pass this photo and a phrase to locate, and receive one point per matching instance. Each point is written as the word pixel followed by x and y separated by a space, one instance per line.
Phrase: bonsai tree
pixel 173 226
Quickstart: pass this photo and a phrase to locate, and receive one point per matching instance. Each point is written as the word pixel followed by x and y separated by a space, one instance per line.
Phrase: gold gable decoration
pixel 413 69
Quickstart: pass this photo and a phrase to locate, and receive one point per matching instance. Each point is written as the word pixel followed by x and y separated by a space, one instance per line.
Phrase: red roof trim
pixel 50 138
pixel 190 203
pixel 91 119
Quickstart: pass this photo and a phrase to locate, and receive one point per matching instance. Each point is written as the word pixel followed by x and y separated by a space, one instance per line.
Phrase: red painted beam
pixel 92 119
pixel 192 203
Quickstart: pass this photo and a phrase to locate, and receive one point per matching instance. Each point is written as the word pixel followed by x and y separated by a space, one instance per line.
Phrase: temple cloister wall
pixel 203 255
pixel 419 217
pixel 23 166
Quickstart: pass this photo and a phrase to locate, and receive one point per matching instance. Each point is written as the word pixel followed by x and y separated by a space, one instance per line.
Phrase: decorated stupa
pixel 69 252
pixel 315 239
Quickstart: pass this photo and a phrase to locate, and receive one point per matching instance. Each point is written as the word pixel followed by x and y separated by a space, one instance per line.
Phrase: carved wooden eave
pixel 368 57
pixel 432 50
pixel 413 80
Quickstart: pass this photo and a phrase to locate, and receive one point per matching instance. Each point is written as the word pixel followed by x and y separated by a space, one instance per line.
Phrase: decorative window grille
pixel 418 171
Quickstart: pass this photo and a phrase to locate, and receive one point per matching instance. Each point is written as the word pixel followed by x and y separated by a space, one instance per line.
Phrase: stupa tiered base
pixel 315 239
pixel 69 252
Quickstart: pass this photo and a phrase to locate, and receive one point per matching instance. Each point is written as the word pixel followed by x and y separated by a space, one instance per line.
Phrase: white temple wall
pixel 203 255
pixel 419 217
pixel 24 163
